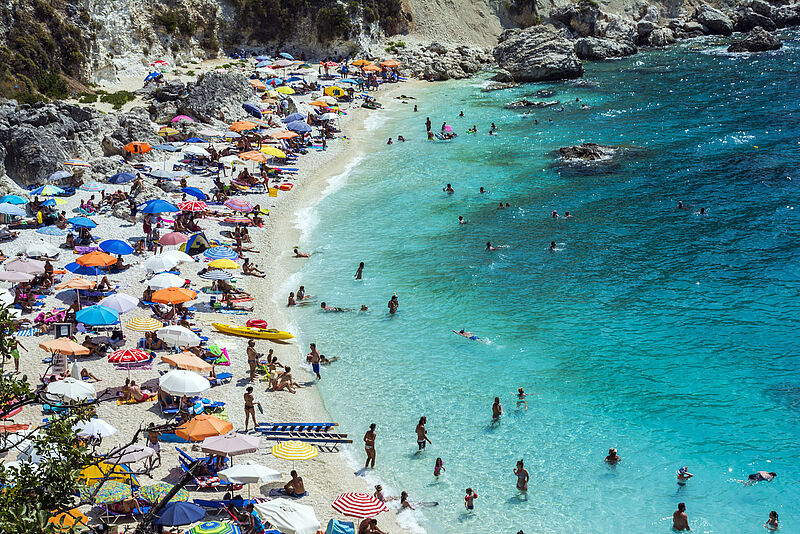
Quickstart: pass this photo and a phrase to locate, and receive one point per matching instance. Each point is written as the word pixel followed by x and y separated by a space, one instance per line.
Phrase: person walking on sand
pixel 680 521
pixel 422 434
pixel 497 409
pixel 393 304
pixel 522 476
pixel 360 270
pixel 369 447
pixel 250 408
pixel 252 359
pixel 14 345
pixel 313 357
pixel 152 442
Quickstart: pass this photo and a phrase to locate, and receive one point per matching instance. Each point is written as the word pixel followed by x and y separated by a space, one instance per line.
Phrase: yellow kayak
pixel 247 331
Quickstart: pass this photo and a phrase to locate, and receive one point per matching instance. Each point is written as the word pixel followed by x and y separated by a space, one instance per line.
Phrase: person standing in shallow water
pixel 422 434
pixel 680 521
pixel 497 409
pixel 360 270
pixel 369 447
pixel 522 476
pixel 393 305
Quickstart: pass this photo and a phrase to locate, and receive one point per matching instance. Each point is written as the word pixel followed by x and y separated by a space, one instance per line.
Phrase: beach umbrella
pixel 96 258
pixel 77 268
pixel 328 116
pixel 350 81
pixel 138 147
pixel 195 192
pixel 131 454
pixel 359 504
pixel 116 246
pixel 228 161
pixel 288 516
pixel 152 76
pixel 247 472
pixel 210 132
pixel 51 230
pixel 285 90
pixel 319 104
pixel 224 264
pixel 281 63
pixel 189 383
pixel 71 388
pixel 160 264
pixel 128 356
pixel 69 520
pixel 103 470
pixel 179 118
pixel 159 63
pixel 177 336
pixel 158 206
pixel 274 152
pixel 216 275
pixel 202 426
pixel 93 187
pixel 361 62
pixel 232 444
pixel 41 249
pixel 259 86
pixel 195 140
pixel 15 276
pixel 252 109
pixel 286 55
pixel 166 131
pixel 110 491
pixel 299 127
pixel 390 63
pixel 174 238
pixel 48 190
pixel 295 117
pixel 284 134
pixel 121 178
pixel 174 295
pixel 77 163
pixel 214 527
pixel 238 220
pixel 294 450
pixel 25 265
pixel 64 346
pixel 76 283
pixel 120 302
pixel 253 155
pixel 82 222
pixel 166 147
pixel 237 204
pixel 193 205
pixel 179 513
pixel 187 360
pixel 220 253
pixel 195 150
pixel 59 175
pixel 95 427
pixel 11 209
pixel 13 199
pixel 179 256
pixel 97 315
pixel 144 324
pixel 155 492
pixel 165 280
pixel 370 68
pixel 241 126
pixel 54 202
pixel 167 175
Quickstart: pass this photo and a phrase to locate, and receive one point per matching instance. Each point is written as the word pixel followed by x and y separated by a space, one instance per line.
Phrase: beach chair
pixel 335 526
pixel 110 516
pixel 219 506
pixel 321 438
pixel 296 427
pixel 222 378
pixel 203 482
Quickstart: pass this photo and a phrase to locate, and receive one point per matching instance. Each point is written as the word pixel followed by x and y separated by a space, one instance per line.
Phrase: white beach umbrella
pixel 130 454
pixel 11 209
pixel 25 265
pixel 249 472
pixel 165 280
pixel 182 382
pixel 14 276
pixel 289 517
pixel 178 255
pixel 71 388
pixel 178 336
pixel 159 264
pixel 42 249
pixel 95 427
pixel 328 116
pixel 195 150
pixel 210 132
pixel 120 302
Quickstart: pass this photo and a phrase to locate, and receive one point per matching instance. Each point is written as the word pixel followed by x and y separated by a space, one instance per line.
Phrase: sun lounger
pixel 203 482
pixel 323 438
pixel 280 492
pixel 27 332
pixel 296 427
pixel 110 516
pixel 222 378
pixel 217 506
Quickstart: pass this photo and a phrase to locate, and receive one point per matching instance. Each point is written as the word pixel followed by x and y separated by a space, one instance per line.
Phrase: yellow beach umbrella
pixel 66 520
pixel 95 473
pixel 294 450
pixel 271 93
pixel 285 90
pixel 334 91
pixel 224 264
pixel 144 324
pixel 272 151
pixel 166 130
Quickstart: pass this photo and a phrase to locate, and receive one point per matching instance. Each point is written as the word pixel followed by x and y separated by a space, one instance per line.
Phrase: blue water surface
pixel 669 335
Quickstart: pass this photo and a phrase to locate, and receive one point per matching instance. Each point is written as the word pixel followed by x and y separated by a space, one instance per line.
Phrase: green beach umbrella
pixel 156 492
pixel 110 491
pixel 214 527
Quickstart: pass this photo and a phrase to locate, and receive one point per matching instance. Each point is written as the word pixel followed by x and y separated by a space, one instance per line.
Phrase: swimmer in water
pixel 522 476
pixel 497 409
pixel 613 458
pixel 449 189
pixel 772 522
pixel 364 308
pixel 500 206
pixel 554 214
pixel 298 254
pixel 493 128
pixel 389 142
pixel 359 271
pixel 461 220
pixel 469 499
pixel 461 114
pixel 567 215
pixel 438 467
pixel 552 246
pixel 474 129
pixel 466 334
pixel 482 190
pixel 521 401
pixel 490 247
pixel 680 521
pixel 291 300
pixel 327 308
pixel 760 476
pixel 683 476
pixel 681 206
pixel 702 212
pixel 301 293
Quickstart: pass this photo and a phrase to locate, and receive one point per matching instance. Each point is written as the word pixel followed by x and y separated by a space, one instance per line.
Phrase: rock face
pixel 715 20
pixel 786 15
pixel 659 37
pixel 758 40
pixel 748 19
pixel 217 95
pixel 538 53
pixel 441 62
pixel 595 48
pixel 587 152
pixel 525 103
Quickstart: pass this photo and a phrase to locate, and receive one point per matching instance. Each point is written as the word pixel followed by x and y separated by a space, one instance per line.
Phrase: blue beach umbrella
pixel 265 63
pixel 93 187
pixel 299 127
pixel 221 253
pixel 83 222
pixel 53 202
pixel 165 147
pixel 275 82
pixel 158 206
pixel 179 513
pixel 51 230
pixel 60 175
pixel 83 270
pixel 195 140
pixel 294 79
pixel 13 199
pixel 252 109
pixel 116 246
pixel 97 315
pixel 122 178
pixel 47 189
pixel 286 55
pixel 294 117
pixel 195 192
pixel 263 58
pixel 11 209
pixel 151 76
pixel 349 80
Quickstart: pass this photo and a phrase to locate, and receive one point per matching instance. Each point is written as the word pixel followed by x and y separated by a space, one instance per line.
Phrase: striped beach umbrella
pixel 359 504
pixel 47 189
pixel 294 450
pixel 214 527
pixel 221 253
pixel 93 186
pixel 144 324
pixel 238 220
pixel 77 163
pixel 193 205
pixel 237 204
pixel 216 275
pixel 128 356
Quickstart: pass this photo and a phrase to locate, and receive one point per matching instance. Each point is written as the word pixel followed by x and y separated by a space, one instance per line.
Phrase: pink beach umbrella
pixel 15 276
pixel 239 205
pixel 359 504
pixel 232 444
pixel 173 238
pixel 25 265
pixel 182 118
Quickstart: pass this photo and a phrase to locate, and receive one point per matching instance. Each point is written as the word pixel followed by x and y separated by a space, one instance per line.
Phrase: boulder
pixel 581 18
pixel 538 53
pixel 497 86
pixel 758 40
pixel 170 92
pixel 785 16
pixel 644 27
pixel 437 48
pixel 525 103
pixel 587 152
pixel 749 19
pixel 693 27
pixel 162 112
pixel 217 96
pixel 618 28
pixel 503 76
pixel 596 48
pixel 715 20
pixel 761 7
pixel 651 14
pixel 659 37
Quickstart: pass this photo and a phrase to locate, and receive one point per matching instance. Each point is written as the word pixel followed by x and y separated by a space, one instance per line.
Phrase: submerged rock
pixel 595 48
pixel 525 103
pixel 497 86
pixel 758 40
pixel 587 152
pixel 538 53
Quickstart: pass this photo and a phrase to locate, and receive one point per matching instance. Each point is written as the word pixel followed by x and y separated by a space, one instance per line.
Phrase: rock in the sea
pixel 749 19
pixel 658 37
pixel 503 76
pixel 537 53
pixel 758 40
pixel 216 96
pixel 497 86
pixel 587 152
pixel 595 48
pixel 525 103
pixel 785 16
pixel 715 20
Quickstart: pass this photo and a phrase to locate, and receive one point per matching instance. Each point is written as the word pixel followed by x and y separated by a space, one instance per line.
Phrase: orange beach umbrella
pixel 371 68
pixel 390 63
pixel 66 520
pixel 253 155
pixel 64 345
pixel 204 426
pixel 96 259
pixel 240 126
pixel 76 283
pixel 174 295
pixel 284 134
pixel 187 360
pixel 138 147
pixel 258 84
pixel 361 62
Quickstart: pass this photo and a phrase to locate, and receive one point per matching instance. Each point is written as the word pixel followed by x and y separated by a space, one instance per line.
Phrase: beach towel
pixel 280 492
pixel 13 427
pixel 27 332
pixel 233 312
pixel 120 402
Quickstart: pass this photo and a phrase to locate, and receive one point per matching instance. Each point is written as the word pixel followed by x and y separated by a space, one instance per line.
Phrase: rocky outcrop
pixel 581 18
pixel 715 20
pixel 525 103
pixel 659 37
pixel 217 95
pixel 587 152
pixel 441 62
pixel 595 48
pixel 538 53
pixel 498 86
pixel 785 16
pixel 758 40
pixel 746 19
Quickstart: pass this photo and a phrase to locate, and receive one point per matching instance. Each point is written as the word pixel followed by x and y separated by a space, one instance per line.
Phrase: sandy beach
pixel 325 476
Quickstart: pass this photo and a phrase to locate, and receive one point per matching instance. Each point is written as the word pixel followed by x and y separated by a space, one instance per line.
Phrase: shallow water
pixel 666 334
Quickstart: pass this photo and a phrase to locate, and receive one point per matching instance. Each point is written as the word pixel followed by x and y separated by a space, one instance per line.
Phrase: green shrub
pixel 187 26
pixel 333 22
pixel 51 84
pixel 190 73
pixel 87 98
pixel 28 98
pixel 169 20
pixel 118 99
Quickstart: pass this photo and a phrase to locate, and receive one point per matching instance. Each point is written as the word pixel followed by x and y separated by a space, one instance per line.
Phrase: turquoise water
pixel 668 335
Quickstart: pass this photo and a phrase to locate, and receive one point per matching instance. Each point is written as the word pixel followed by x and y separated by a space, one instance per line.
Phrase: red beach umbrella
pixel 128 356
pixel 358 504
pixel 193 205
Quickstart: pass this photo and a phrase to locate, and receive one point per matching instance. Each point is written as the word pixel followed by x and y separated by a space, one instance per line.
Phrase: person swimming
pixel 466 334
pixel 482 190
pixel 554 214
pixel 681 206
pixel 327 308
pixel 489 246
pixel 761 476
pixel 552 246
pixel 521 401
pixel 474 129
pixel 461 114
pixel 461 220
pixel 449 189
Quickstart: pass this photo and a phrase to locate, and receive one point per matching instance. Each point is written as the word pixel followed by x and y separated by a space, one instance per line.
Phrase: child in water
pixel 469 499
pixel 438 467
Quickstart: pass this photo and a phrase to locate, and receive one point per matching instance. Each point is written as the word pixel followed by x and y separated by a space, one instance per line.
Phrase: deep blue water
pixel 666 334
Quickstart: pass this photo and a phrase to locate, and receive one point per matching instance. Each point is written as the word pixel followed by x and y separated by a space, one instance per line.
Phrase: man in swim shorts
pixel 680 521
pixel 313 357
pixel 422 433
